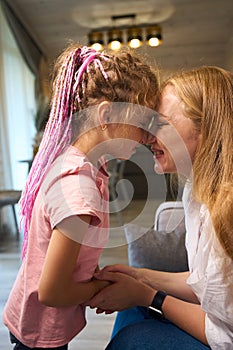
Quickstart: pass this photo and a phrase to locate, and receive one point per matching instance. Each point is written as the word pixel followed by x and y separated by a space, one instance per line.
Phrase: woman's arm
pixel 187 316
pixel 173 283
pixel 125 291
pixel 56 285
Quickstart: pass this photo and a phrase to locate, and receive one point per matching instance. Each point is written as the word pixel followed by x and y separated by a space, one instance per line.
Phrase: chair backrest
pixel 169 216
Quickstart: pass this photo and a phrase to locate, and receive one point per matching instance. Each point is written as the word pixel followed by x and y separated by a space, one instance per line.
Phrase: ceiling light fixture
pixel 132 35
pixel 154 37
pixel 96 40
pixel 115 39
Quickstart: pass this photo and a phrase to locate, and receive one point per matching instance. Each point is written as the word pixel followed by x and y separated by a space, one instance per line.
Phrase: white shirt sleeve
pixel 211 275
pixel 219 335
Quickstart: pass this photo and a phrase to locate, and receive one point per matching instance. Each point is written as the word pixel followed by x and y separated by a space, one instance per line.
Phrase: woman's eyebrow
pixel 151 122
pixel 163 116
pixel 155 120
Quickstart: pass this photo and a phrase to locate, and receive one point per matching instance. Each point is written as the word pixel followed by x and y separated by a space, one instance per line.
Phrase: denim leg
pixel 127 317
pixel 153 334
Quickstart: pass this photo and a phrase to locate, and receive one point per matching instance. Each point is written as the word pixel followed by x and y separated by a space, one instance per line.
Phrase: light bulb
pixel 154 36
pixel 135 43
pixel 115 39
pixel 96 40
pixel 115 45
pixel 134 37
pixel 97 47
pixel 153 42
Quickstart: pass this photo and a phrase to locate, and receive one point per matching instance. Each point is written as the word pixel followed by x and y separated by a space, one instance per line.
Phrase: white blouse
pixel 206 259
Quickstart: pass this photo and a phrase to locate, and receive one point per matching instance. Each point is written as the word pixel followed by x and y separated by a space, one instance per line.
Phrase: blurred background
pixel 184 34
pixel 169 34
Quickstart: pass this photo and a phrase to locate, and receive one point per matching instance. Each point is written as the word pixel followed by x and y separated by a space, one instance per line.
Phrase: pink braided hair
pixel 58 132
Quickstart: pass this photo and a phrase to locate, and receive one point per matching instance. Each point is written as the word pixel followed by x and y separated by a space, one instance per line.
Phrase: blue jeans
pixel 135 329
pixel 20 346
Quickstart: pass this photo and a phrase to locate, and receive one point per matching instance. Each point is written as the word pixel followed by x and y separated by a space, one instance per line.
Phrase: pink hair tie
pixel 90 57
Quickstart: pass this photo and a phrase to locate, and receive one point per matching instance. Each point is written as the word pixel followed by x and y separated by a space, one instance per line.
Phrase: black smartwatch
pixel 155 309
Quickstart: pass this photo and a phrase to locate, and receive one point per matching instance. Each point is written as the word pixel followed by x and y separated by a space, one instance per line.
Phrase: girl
pixel 65 201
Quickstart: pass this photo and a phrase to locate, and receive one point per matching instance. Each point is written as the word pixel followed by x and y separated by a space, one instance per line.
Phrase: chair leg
pixel 15 220
pixel 0 218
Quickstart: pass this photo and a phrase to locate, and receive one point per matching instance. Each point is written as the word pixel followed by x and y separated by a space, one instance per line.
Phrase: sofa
pixel 163 246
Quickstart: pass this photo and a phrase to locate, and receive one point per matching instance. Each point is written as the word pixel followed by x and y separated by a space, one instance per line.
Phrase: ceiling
pixel 195 32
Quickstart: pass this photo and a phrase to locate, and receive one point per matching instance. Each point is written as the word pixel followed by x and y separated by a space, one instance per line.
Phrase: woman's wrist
pixel 139 274
pixel 146 277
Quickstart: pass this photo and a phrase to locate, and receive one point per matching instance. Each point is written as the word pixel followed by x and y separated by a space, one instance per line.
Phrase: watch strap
pixel 157 302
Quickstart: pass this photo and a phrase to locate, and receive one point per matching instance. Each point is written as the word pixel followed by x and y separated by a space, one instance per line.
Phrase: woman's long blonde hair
pixel 207 95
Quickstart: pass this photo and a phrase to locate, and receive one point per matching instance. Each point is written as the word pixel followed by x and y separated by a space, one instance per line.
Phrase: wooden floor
pixel 96 334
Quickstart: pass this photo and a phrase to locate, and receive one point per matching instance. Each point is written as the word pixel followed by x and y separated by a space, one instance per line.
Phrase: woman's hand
pixel 128 270
pixel 173 283
pixel 123 292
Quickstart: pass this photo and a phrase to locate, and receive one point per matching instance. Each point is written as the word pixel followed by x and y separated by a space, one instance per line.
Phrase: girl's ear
pixel 104 110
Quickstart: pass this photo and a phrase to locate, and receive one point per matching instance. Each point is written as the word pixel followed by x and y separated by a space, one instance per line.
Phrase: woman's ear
pixel 104 110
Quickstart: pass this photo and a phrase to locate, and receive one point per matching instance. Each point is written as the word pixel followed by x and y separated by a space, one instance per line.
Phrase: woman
pixel 196 305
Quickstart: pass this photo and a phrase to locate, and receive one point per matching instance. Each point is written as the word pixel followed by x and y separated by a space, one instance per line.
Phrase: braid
pixel 58 132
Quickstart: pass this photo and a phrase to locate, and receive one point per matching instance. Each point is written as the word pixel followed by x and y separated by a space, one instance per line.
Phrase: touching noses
pixel 144 138
pixel 151 139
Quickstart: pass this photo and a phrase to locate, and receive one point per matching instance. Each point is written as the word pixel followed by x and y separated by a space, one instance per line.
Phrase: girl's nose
pixel 144 138
pixel 150 139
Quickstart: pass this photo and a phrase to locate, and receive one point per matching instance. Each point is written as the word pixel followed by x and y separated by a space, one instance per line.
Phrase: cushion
pixel 157 250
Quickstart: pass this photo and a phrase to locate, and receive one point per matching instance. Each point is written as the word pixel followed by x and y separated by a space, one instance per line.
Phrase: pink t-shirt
pixel 72 187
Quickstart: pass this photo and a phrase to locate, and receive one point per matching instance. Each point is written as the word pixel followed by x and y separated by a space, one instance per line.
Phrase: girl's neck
pixel 90 145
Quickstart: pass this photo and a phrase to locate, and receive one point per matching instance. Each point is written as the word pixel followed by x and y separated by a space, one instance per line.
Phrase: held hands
pixel 128 270
pixel 125 290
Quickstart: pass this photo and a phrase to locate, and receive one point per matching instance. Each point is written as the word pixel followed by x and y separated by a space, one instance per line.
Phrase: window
pixel 17 110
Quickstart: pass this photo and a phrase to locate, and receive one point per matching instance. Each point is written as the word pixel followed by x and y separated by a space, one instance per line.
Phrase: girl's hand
pixel 123 292
pixel 97 269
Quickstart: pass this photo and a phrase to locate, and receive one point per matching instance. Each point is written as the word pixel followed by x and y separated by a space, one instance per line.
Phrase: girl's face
pixel 177 139
pixel 125 139
pixel 126 136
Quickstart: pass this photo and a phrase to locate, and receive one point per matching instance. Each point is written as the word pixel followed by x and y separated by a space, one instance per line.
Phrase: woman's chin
pixel 158 168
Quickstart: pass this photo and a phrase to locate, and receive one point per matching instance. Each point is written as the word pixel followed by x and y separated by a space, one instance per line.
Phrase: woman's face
pixel 177 139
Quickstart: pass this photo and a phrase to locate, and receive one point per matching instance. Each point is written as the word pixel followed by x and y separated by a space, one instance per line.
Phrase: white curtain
pixel 17 110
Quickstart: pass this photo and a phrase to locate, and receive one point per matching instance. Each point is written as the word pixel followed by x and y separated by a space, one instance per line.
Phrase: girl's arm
pixel 56 285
